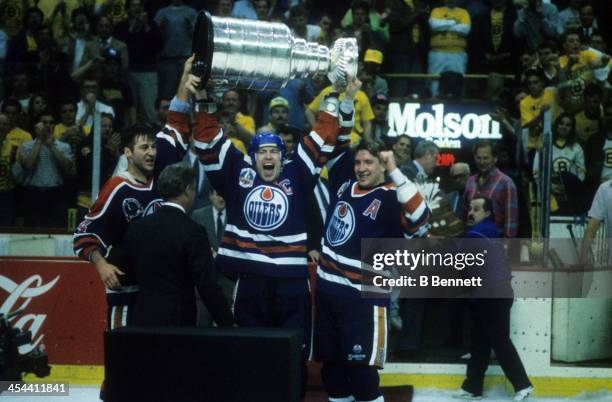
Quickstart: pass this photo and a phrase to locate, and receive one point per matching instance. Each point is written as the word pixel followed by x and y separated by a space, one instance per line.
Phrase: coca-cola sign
pixel 19 297
pixel 64 306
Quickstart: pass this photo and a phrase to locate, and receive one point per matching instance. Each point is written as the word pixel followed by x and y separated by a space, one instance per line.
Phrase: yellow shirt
pixel 363 110
pixel 587 59
pixel 249 124
pixel 59 130
pixel 449 41
pixel 9 151
pixel 585 127
pixel 497 28
pixel 531 108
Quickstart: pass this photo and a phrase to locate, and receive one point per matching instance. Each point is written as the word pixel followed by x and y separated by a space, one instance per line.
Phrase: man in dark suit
pixel 170 255
pixel 213 218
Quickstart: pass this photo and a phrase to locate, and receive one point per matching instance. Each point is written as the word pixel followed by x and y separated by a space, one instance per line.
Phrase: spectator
pixel 361 28
pixel 144 42
pixel 11 141
pixel 298 92
pixel 578 67
pixel 224 8
pixel 116 92
pixel 492 183
pixel 37 105
pixel 213 218
pixel 450 26
pixel 67 112
pixel 537 21
pixel 493 46
pixel 380 125
pixel 75 42
pixel 363 113
pixel 588 23
pixel 372 61
pixel 46 162
pixel 325 24
pixel 262 9
pixel 244 9
pixel 12 109
pixel 533 106
pixel 176 23
pixel 568 166
pixel 19 84
pixel 202 186
pixel 402 151
pixel 408 28
pixel 89 104
pixel 161 106
pixel 25 41
pixel 424 162
pixel 278 115
pixel 100 47
pixel 597 42
pixel 84 162
pixel 298 18
pixel 459 174
pixel 241 127
pixel 50 67
pixel 377 22
pixel 589 119
pixel 490 318
pixel 291 136
pixel 548 54
pixel 606 148
pixel 570 16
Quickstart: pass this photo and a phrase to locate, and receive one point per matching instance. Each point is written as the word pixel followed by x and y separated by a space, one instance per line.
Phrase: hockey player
pixel 351 331
pixel 265 236
pixel 127 196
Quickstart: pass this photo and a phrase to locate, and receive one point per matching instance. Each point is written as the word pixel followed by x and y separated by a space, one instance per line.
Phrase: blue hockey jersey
pixel 265 232
pixel 390 210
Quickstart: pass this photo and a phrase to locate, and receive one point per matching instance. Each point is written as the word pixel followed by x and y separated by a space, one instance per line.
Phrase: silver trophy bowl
pixel 237 53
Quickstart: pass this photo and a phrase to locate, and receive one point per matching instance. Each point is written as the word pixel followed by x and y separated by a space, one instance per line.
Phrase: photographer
pixel 102 46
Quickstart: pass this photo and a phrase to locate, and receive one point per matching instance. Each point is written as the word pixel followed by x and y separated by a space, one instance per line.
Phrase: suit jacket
pixel 169 255
pixel 205 217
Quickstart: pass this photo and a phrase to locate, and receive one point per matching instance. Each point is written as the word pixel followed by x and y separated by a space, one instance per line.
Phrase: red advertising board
pixel 64 306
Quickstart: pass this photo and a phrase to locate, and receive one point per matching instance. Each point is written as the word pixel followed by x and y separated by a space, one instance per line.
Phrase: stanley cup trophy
pixel 247 54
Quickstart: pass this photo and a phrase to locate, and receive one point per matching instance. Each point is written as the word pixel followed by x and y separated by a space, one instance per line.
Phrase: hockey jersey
pixel 356 214
pixel 265 232
pixel 606 171
pixel 567 159
pixel 124 198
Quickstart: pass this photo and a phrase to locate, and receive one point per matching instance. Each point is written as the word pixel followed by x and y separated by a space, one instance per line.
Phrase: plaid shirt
pixel 502 192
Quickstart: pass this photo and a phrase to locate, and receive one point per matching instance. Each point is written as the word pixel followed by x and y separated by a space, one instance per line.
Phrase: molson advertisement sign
pixel 449 125
pixel 64 307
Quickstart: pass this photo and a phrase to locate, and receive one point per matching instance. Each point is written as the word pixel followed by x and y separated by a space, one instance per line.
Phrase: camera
pixel 110 53
pixel 13 364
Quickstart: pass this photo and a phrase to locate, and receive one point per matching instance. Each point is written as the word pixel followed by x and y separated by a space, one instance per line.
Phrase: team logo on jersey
pixel 132 208
pixel 285 185
pixel 357 354
pixel 153 207
pixel 246 178
pixel 608 157
pixel 82 228
pixel 266 208
pixel 341 225
pixel 561 165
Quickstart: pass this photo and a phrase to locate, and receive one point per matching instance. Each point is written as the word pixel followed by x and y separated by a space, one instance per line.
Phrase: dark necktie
pixel 219 227
pixel 196 171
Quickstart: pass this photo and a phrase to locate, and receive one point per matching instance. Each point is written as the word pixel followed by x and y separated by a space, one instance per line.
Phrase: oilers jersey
pixel 385 211
pixel 124 198
pixel 265 232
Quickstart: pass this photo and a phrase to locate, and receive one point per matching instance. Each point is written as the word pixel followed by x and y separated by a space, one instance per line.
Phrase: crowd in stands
pixel 71 66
